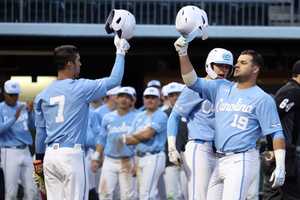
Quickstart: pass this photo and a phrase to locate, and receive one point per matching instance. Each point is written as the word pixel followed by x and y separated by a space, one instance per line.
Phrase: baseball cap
pixel 126 90
pixel 174 87
pixel 113 91
pixel 154 83
pixel 151 91
pixel 132 89
pixel 164 90
pixel 12 87
pixel 296 67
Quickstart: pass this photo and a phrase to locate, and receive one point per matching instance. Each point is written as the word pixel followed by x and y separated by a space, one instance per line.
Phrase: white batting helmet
pixel 122 22
pixel 218 56
pixel 192 21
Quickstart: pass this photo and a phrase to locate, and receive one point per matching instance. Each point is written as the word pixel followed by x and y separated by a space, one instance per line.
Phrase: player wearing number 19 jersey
pixel 61 113
pixel 243 114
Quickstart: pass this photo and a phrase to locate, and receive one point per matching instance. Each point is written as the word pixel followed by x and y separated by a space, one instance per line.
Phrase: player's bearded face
pixel 151 102
pixel 244 68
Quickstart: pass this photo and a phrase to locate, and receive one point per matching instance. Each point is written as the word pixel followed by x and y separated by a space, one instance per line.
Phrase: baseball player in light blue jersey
pixel 61 117
pixel 199 158
pixel 15 138
pixel 118 161
pixel 243 114
pixel 149 134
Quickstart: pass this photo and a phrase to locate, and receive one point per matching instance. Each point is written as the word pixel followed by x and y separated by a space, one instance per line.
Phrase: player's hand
pixel 122 45
pixel 96 161
pixel 181 46
pixel 277 177
pixel 95 165
pixel 18 112
pixel 174 157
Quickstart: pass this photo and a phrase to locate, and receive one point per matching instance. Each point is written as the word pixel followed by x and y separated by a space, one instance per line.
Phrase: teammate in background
pixel 175 178
pixel 288 105
pixel 149 134
pixel 198 158
pixel 109 105
pixel 154 83
pixel 16 161
pixel 243 114
pixel 164 96
pixel 61 114
pixel 93 131
pixel 119 160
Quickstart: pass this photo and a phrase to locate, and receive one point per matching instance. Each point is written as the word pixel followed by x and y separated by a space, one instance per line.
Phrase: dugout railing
pixel 220 12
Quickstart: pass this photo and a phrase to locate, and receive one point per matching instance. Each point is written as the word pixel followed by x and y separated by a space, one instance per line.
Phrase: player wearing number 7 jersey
pixel 61 114
pixel 243 114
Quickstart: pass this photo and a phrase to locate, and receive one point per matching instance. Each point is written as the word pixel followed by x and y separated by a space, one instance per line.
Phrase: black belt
pixel 23 146
pixel 200 141
pixel 142 154
pixel 119 157
pixel 222 154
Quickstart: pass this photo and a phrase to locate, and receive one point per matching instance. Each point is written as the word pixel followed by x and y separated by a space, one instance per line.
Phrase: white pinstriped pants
pixel 199 161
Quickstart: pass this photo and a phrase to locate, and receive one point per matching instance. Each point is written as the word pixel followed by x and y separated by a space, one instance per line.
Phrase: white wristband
pixel 280 158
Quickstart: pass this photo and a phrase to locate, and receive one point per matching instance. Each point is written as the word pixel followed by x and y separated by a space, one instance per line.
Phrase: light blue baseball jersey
pixel 101 111
pixel 93 130
pixel 242 116
pixel 112 128
pixel 61 110
pixel 197 111
pixel 15 132
pixel 156 120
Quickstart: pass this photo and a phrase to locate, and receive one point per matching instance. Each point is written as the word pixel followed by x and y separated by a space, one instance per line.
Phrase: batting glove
pixel 181 46
pixel 278 175
pixel 121 44
pixel 174 155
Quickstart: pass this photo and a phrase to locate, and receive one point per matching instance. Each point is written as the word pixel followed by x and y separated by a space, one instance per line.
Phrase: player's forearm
pixel 172 125
pixel 5 126
pixel 40 138
pixel 188 73
pixel 139 136
pixel 117 72
pixel 131 140
pixel 278 143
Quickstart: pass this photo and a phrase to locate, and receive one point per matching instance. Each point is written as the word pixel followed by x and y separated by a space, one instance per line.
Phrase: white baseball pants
pixel 199 162
pixel 175 182
pixel 65 174
pixel 149 169
pixel 233 176
pixel 114 171
pixel 17 165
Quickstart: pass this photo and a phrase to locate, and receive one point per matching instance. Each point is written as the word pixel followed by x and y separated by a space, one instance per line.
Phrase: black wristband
pixel 39 156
